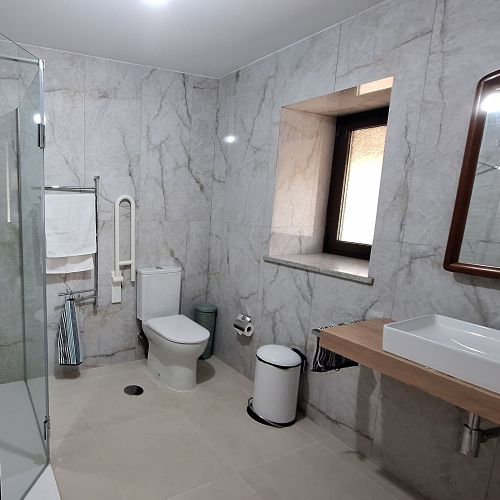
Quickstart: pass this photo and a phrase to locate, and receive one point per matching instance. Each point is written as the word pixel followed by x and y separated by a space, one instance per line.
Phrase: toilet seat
pixel 179 329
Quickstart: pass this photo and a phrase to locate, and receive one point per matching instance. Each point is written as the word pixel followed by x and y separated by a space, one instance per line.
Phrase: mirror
pixel 474 240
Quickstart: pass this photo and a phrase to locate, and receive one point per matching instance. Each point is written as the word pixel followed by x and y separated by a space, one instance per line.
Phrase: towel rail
pixel 76 292
pixel 95 190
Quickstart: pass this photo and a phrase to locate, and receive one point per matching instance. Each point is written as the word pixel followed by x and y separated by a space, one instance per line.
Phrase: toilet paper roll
pixel 242 326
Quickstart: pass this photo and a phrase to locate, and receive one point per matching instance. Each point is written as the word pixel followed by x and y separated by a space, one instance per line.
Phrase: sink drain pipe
pixel 473 436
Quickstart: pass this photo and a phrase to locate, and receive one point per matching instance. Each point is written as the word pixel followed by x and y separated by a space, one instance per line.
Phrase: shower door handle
pixel 46 431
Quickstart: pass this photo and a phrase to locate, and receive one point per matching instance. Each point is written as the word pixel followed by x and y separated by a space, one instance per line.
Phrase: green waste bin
pixel 205 315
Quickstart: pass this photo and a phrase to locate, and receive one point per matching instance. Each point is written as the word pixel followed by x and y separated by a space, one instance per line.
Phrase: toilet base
pixel 178 370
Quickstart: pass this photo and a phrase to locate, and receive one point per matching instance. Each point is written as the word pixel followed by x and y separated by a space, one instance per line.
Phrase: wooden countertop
pixel 362 342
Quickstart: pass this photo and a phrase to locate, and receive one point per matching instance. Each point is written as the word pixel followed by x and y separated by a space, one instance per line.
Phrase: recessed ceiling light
pixel 229 139
pixel 156 3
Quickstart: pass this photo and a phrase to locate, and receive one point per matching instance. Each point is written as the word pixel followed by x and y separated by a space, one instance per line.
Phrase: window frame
pixel 346 124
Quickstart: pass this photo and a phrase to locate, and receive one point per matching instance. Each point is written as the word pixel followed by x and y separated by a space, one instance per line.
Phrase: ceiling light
pixel 229 139
pixel 156 3
pixel 491 103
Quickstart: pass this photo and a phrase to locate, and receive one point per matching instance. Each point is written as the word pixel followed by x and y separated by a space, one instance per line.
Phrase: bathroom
pixel 209 164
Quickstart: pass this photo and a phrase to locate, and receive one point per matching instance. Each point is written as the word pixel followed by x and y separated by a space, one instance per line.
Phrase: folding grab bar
pixel 116 274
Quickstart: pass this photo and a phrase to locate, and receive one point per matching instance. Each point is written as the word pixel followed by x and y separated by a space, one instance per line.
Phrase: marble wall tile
pixel 286 296
pixel 424 287
pixel 166 136
pixel 202 149
pixel 161 243
pixel 194 288
pixel 460 56
pixel 346 401
pixel 247 158
pixel 12 358
pixel 373 34
pixel 494 480
pixel 111 330
pixel 11 328
pixel 112 129
pixel 307 69
pixel 235 252
pixel 224 127
pixel 409 419
pixel 64 117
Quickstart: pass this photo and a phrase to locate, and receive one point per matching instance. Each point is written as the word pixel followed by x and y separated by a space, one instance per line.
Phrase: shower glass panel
pixel 23 340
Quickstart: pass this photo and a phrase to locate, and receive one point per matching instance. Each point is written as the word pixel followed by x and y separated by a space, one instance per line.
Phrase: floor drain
pixel 133 390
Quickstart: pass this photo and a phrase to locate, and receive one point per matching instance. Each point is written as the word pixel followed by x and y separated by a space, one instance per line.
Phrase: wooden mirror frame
pixel 466 184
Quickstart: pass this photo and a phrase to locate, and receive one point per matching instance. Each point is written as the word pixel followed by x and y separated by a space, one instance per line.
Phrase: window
pixel 355 181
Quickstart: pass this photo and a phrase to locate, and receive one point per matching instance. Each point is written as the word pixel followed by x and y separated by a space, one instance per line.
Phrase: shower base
pixel 22 454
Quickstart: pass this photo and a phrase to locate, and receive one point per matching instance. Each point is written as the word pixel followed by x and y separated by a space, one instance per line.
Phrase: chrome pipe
pixel 71 189
pixel 473 436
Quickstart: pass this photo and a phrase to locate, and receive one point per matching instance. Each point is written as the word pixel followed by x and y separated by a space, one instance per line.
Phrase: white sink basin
pixel 460 349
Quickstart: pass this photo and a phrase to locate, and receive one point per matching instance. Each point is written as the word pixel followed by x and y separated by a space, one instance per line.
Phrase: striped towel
pixel 68 335
pixel 325 360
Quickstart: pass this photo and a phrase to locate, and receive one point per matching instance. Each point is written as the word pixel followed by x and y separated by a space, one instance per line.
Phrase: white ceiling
pixel 204 37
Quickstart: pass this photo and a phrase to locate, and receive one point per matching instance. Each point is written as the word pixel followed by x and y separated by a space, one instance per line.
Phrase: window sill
pixel 337 266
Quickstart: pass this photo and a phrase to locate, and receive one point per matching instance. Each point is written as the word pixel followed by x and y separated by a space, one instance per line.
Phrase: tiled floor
pixel 199 445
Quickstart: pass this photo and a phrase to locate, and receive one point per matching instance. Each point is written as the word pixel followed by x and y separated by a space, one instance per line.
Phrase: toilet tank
pixel 158 291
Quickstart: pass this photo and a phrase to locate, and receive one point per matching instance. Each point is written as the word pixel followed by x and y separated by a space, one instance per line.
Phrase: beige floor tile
pixel 78 373
pixel 230 488
pixel 358 461
pixel 80 470
pixel 102 402
pixel 213 381
pixel 159 456
pixel 240 440
pixel 64 420
pixel 312 473
pixel 236 377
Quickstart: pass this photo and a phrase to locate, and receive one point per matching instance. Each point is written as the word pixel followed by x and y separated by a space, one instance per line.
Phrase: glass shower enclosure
pixel 24 421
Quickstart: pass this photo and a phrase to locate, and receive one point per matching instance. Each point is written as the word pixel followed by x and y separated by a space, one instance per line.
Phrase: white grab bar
pixel 131 261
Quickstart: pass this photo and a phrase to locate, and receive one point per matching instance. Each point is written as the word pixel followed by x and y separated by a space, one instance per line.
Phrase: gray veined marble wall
pixel 147 133
pixel 207 205
pixel 437 51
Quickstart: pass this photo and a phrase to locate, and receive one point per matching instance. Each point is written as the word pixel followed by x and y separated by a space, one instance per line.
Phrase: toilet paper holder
pixel 243 325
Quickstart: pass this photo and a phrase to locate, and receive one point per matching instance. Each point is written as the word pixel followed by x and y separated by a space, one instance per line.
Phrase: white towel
pixel 70 224
pixel 65 265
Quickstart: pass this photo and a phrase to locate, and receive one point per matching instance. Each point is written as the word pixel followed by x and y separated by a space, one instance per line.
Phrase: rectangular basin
pixel 463 350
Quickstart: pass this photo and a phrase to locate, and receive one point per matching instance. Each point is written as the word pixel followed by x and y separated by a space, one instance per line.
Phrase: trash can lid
pixel 278 355
pixel 206 308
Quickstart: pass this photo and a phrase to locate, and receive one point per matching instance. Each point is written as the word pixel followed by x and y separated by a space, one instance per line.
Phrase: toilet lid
pixel 179 329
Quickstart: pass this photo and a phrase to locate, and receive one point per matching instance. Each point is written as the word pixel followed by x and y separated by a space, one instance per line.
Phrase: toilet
pixel 175 341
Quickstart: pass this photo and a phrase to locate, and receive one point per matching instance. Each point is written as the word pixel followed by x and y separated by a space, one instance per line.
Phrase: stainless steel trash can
pixel 276 387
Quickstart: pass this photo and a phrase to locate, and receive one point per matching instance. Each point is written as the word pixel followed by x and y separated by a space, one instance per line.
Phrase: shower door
pixel 23 340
